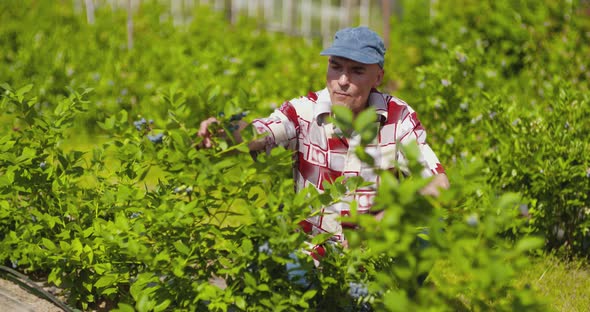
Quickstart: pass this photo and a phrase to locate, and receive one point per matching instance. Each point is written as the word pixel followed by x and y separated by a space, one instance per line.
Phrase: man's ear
pixel 379 78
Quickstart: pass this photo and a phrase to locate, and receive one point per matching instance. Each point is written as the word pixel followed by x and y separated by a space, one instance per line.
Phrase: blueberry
pixel 156 138
pixel 189 190
pixel 235 117
pixel 221 114
pixel 139 124
pixel 357 290
pixel 265 248
pixel 472 220
pixel 43 165
pixel 296 272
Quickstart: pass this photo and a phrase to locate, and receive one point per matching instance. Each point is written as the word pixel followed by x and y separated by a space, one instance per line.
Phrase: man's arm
pixel 439 182
pixel 432 166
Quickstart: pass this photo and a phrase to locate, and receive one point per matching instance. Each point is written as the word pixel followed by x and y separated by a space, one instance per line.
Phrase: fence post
pixel 129 25
pixel 233 12
pixel 364 11
pixel 89 11
pixel 345 13
pixel 432 9
pixel 306 18
pixel 385 14
pixel 269 11
pixel 253 8
pixel 325 21
pixel 288 16
pixel 219 4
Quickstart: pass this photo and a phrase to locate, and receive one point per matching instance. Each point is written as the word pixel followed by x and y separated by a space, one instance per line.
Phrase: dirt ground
pixel 17 299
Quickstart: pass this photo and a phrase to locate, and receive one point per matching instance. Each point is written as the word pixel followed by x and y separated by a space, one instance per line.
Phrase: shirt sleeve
pixel 281 127
pixel 411 129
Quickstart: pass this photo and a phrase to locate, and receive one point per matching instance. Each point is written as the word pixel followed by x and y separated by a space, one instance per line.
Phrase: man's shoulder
pixel 387 99
pixel 306 106
pixel 395 108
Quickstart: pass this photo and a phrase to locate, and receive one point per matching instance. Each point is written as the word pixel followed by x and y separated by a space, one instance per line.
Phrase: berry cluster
pixel 142 124
pixel 157 138
pixel 183 189
pixel 231 122
pixel 145 126
pixel 358 290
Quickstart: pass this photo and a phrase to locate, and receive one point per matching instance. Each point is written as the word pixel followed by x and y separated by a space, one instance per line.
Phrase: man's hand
pixel 204 132
pixel 440 181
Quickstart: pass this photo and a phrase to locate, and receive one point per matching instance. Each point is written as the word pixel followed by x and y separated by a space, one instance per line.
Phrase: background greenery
pixel 121 218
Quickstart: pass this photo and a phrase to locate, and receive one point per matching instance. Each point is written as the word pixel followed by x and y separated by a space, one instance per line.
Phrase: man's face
pixel 350 82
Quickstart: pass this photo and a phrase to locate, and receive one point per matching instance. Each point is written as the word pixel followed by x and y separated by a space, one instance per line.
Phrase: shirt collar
pixel 377 100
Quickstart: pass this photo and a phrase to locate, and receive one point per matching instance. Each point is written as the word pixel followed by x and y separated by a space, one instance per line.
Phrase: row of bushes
pixel 91 225
pixel 509 87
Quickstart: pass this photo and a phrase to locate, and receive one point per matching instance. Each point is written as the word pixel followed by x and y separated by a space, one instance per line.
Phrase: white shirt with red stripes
pixel 323 153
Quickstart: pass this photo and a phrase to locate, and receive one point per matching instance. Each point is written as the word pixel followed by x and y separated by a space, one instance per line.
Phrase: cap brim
pixel 350 54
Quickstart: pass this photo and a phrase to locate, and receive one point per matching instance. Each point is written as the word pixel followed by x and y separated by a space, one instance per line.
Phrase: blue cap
pixel 359 44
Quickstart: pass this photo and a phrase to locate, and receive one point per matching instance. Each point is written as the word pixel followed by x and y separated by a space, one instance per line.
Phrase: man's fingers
pixel 204 128
pixel 207 142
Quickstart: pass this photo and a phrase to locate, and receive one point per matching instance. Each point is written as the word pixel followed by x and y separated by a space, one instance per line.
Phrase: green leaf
pixel 22 91
pixel 240 302
pixel 48 244
pixel 110 291
pixel 213 93
pixel 182 248
pixel 123 307
pixel 529 243
pixel 263 287
pixel 366 125
pixel 321 238
pixel 106 280
pixel 163 305
pixel 249 280
pixel 309 294
pixel 396 301
pixel 101 268
pixel 144 303
pixel 55 276
pixel 343 117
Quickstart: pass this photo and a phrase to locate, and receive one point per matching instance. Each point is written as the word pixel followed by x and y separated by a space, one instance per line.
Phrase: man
pixel 324 152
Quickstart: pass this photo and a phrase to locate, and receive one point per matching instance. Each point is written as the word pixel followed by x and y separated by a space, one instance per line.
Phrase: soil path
pixel 14 298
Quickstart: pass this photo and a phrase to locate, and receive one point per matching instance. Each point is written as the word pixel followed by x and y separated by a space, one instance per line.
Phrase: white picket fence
pixel 307 18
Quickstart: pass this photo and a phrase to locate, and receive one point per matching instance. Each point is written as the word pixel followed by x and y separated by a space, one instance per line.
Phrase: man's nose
pixel 343 79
